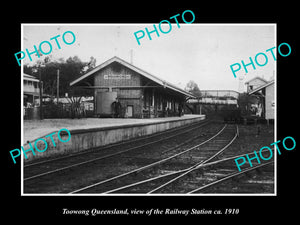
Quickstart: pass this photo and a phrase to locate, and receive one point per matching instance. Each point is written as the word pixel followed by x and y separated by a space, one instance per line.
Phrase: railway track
pixel 57 172
pixel 204 188
pixel 208 177
pixel 168 169
pixel 190 160
pixel 45 167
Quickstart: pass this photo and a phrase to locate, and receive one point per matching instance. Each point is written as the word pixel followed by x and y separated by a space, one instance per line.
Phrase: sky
pixel 199 52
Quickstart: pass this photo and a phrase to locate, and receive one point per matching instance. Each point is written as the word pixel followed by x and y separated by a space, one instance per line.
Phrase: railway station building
pixel 262 93
pixel 139 93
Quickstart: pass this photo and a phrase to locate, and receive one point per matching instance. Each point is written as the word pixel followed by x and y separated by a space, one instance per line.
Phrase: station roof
pixel 29 77
pixel 136 69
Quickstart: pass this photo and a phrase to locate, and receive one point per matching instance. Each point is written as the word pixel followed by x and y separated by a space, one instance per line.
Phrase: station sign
pixel 117 77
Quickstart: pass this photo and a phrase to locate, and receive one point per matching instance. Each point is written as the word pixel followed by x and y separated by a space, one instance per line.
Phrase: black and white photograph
pixel 131 109
pixel 132 113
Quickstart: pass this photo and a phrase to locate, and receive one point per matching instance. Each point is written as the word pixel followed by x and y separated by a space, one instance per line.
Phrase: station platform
pixel 88 133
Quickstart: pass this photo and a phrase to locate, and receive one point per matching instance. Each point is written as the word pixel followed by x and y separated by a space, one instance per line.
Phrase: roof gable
pixel 134 68
pixel 261 87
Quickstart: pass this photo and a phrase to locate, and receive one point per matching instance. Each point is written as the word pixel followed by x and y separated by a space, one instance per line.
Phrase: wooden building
pixel 140 93
pixel 31 90
pixel 255 83
pixel 265 98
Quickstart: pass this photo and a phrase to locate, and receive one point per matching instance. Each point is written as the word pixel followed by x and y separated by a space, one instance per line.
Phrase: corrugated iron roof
pixel 261 87
pixel 29 77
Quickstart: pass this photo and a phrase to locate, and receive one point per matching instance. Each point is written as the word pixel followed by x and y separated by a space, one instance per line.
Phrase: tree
pixel 193 88
pixel 92 64
pixel 69 70
pixel 244 102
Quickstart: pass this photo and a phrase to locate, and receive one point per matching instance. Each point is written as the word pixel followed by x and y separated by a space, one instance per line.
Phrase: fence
pixel 62 110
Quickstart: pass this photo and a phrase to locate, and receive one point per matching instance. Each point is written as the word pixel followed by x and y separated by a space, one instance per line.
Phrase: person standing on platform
pixel 179 110
pixel 116 105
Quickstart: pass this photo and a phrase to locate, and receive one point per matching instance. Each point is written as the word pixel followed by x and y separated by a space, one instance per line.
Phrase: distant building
pixel 255 83
pixel 31 90
pixel 124 90
pixel 264 93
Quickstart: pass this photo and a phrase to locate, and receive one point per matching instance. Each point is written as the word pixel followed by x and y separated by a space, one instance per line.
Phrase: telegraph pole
pixel 41 86
pixel 57 92
pixel 41 95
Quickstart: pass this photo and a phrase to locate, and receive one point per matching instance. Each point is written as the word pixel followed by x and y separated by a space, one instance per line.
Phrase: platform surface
pixel 33 129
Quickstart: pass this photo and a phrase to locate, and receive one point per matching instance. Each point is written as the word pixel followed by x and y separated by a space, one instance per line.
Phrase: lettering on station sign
pixel 117 77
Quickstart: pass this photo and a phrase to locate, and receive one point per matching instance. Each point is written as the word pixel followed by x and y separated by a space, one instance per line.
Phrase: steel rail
pixel 147 166
pixel 228 177
pixel 196 166
pixel 120 143
pixel 230 158
pixel 111 155
pixel 177 172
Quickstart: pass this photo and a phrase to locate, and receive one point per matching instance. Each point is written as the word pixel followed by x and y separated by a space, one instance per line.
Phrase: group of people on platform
pixel 117 109
pixel 168 112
